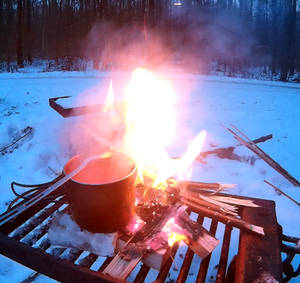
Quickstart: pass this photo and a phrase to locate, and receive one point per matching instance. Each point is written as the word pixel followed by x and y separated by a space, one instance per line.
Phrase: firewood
pixel 204 245
pixel 120 268
pixel 153 259
pixel 209 204
pixel 200 241
pixel 281 192
pixel 253 147
pixel 226 219
pixel 237 201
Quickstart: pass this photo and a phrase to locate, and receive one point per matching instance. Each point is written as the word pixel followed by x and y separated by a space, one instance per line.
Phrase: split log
pixel 226 219
pixel 154 259
pixel 120 268
pixel 201 242
pixel 195 198
pixel 152 246
pixel 253 147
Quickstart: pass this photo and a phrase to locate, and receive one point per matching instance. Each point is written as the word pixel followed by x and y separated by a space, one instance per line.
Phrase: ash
pixel 65 232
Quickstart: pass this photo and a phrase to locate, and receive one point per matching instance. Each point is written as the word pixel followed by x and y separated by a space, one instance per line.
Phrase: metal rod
pixel 184 271
pixel 205 262
pixel 142 274
pixel 34 221
pixel 224 255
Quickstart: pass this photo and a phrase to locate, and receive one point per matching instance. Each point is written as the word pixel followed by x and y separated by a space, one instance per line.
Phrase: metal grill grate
pixel 25 240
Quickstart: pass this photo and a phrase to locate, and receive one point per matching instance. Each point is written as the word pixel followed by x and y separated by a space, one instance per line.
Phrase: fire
pixel 151 123
pixel 172 231
pixel 174 237
pixel 151 120
pixel 109 102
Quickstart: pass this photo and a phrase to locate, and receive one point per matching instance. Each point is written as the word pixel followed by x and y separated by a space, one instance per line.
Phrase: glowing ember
pixel 174 237
pixel 172 231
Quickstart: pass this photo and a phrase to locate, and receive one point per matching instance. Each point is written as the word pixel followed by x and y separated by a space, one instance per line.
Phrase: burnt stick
pixel 266 158
pixel 281 192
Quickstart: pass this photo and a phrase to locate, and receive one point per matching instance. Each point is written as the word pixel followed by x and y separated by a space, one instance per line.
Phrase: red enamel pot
pixel 102 195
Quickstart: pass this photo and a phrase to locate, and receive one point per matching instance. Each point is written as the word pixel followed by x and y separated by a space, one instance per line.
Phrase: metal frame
pixel 256 254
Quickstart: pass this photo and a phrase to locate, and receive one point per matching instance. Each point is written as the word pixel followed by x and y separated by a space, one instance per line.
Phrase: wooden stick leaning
pixel 281 192
pixel 253 147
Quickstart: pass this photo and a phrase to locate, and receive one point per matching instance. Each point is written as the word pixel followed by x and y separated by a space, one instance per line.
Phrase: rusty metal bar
pixel 224 255
pixel 105 263
pixel 72 255
pixel 162 275
pixel 57 251
pixel 22 231
pixel 142 274
pixel 205 262
pixel 44 245
pixel 88 260
pixel 56 268
pixel 184 271
pixel 36 235
pixel 259 253
pixel 41 231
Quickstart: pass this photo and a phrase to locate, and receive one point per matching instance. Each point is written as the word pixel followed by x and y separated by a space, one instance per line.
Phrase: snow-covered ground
pixel 257 108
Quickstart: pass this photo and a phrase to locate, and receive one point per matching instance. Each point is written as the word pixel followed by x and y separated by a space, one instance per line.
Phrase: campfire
pixel 163 192
pixel 134 179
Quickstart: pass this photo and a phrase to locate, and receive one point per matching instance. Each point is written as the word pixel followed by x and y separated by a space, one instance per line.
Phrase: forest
pixel 247 38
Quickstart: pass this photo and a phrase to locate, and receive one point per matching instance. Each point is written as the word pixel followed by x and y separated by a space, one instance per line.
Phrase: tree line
pixel 229 36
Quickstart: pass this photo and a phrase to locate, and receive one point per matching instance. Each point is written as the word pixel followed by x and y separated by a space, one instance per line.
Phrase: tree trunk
pixel 292 37
pixel 274 36
pixel 28 35
pixel 19 34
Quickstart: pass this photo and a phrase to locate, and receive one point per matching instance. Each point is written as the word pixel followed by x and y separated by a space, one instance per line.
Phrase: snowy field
pixel 257 108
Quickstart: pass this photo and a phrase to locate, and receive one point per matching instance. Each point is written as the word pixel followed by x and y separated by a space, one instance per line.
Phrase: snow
pixel 256 107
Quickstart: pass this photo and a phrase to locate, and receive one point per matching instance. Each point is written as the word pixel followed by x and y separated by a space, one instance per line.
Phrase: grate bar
pixel 142 274
pixel 105 263
pixel 224 255
pixel 72 255
pixel 162 275
pixel 88 260
pixel 205 262
pixel 44 245
pixel 184 271
pixel 40 232
pixel 23 230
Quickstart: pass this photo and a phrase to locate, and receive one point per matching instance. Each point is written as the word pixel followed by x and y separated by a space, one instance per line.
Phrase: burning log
pixel 152 244
pixel 214 206
pixel 253 147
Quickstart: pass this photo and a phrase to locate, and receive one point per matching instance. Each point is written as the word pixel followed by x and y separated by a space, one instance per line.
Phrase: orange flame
pixel 151 124
pixel 175 237
pixel 109 102
pixel 170 228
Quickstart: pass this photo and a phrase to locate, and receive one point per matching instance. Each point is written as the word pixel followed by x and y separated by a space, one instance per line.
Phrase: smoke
pixel 188 40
